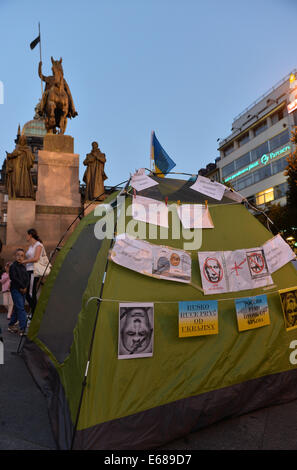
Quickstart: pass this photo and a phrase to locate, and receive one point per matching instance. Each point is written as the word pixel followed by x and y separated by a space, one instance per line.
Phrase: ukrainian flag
pixel 162 161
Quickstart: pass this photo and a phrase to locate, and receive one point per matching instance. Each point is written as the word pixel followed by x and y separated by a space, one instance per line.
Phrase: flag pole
pixel 40 55
pixel 151 151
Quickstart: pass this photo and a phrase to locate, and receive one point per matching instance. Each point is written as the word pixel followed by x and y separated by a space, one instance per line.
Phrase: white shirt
pixel 30 253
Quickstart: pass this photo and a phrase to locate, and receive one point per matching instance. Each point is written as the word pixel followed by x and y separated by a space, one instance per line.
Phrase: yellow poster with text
pixel 198 318
pixel 252 312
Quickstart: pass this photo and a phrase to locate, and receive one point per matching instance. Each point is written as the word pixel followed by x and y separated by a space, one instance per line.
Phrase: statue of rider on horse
pixel 56 103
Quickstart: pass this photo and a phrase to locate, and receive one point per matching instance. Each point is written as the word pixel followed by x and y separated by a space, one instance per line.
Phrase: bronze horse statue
pixel 56 103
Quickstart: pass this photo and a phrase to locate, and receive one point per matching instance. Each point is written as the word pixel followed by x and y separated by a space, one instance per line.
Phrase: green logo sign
pixel 264 160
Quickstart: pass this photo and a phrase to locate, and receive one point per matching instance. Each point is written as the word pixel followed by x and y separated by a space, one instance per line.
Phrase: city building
pixel 211 171
pixel 253 157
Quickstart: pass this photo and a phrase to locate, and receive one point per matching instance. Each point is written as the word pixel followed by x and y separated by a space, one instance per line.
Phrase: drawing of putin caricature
pixel 213 271
pixel 136 331
pixel 290 308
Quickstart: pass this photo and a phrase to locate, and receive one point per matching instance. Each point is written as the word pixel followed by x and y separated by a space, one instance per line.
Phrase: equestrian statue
pixel 56 102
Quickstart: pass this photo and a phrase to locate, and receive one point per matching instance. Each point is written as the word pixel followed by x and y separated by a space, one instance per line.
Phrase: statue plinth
pixel 58 199
pixel 58 143
pixel 20 218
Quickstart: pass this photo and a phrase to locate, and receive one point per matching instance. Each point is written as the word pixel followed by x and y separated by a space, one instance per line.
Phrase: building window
pixel 279 140
pixel 228 169
pixel 259 151
pixel 243 161
pixel 275 117
pixel 279 165
pixel 260 128
pixel 280 190
pixel 243 139
pixel 5 217
pixel 244 182
pixel 265 196
pixel 5 197
pixel 228 149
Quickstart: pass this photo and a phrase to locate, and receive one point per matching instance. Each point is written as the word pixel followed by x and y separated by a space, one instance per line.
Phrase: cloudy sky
pixel 183 68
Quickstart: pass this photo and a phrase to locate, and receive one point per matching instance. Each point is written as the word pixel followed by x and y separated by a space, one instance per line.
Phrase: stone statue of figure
pixel 94 175
pixel 56 103
pixel 19 182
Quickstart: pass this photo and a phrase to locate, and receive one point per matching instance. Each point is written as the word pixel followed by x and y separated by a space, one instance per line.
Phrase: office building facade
pixel 253 157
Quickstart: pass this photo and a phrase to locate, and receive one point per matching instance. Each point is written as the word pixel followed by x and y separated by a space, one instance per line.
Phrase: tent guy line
pixel 168 301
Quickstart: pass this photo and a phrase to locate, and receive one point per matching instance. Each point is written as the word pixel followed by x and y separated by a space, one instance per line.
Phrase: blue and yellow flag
pixel 163 163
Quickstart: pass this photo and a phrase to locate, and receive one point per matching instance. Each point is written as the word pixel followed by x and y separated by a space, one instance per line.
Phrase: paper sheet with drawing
pixel 159 261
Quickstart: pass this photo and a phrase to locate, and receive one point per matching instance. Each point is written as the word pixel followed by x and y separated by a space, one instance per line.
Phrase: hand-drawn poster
pixel 197 318
pixel 257 263
pixel 132 254
pixel 136 330
pixel 213 272
pixel 288 298
pixel 210 188
pixel 278 253
pixel 171 264
pixel 195 216
pixel 233 271
pixel 140 180
pixel 252 312
pixel 246 269
pixel 159 261
pixel 150 211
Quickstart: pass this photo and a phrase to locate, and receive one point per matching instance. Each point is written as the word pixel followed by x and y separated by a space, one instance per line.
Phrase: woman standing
pixel 32 256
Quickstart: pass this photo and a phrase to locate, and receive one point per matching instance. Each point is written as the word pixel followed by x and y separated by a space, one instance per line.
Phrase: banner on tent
pixel 252 312
pixel 232 271
pixel 141 181
pixel 277 253
pixel 209 188
pixel 198 318
pixel 157 261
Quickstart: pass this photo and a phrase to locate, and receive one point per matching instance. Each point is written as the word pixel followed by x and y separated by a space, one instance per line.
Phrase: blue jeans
pixel 19 312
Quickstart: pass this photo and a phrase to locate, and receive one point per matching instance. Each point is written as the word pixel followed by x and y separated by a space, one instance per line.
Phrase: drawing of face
pixel 136 331
pixel 213 270
pixel 174 259
pixel 291 308
pixel 163 265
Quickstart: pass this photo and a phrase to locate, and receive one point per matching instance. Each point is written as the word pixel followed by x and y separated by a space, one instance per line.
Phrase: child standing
pixel 18 287
pixel 7 300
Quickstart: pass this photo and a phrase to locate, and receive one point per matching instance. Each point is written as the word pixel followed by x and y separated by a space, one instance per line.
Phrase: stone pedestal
pixel 58 179
pixel 58 200
pixel 20 218
pixel 89 208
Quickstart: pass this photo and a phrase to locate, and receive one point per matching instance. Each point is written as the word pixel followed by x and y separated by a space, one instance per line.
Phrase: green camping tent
pixel 97 401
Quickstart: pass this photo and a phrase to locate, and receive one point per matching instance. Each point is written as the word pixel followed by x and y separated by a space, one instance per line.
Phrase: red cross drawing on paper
pixel 237 267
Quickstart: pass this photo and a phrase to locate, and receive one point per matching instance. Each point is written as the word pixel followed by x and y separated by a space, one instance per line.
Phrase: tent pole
pixel 84 383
